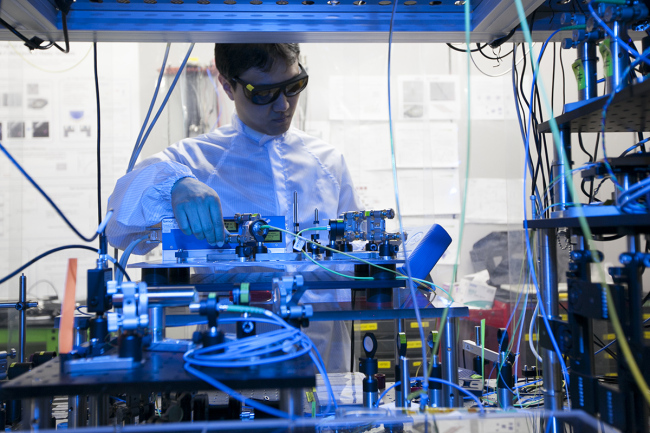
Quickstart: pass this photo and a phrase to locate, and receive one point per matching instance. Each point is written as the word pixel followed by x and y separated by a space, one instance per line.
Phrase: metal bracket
pixel 476 349
pixel 135 306
pixel 289 290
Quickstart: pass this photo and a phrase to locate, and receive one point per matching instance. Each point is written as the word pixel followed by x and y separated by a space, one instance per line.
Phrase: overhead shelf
pixel 264 20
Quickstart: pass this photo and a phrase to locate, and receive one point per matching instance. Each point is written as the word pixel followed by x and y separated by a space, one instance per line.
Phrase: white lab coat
pixel 252 173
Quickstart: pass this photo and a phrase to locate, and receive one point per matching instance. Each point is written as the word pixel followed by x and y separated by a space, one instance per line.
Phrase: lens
pixel 265 96
pixel 295 88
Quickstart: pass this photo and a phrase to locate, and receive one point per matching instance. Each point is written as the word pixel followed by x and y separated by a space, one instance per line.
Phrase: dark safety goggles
pixel 267 93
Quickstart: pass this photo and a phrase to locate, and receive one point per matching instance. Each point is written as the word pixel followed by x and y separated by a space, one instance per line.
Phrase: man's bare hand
pixel 197 209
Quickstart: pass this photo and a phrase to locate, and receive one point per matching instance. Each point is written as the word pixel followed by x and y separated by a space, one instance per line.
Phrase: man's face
pixel 270 119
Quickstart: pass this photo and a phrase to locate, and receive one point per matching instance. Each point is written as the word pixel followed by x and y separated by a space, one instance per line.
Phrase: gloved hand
pixel 197 209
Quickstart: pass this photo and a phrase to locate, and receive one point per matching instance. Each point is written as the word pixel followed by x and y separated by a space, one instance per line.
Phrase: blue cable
pixel 631 148
pixel 416 308
pixel 256 351
pixel 153 102
pixel 125 256
pixel 88 314
pixel 559 178
pixel 528 246
pixel 612 342
pixel 523 385
pixel 232 393
pixel 532 91
pixel 528 384
pixel 453 385
pixel 538 399
pixel 521 330
pixel 49 200
pixel 140 145
pixel 461 389
pixel 515 92
pixel 383 394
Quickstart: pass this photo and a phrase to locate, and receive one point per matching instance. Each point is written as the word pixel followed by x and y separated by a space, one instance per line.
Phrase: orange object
pixel 66 325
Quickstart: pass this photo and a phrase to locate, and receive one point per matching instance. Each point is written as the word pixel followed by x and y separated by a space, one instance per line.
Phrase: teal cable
pixel 355 258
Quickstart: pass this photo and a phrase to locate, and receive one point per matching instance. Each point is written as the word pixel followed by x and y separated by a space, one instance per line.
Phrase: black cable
pixel 540 142
pixel 521 118
pixel 582 146
pixel 595 157
pixel 522 94
pixel 597 341
pixel 49 200
pixel 602 238
pixel 598 188
pixel 582 187
pixel 460 50
pixel 539 146
pixel 517 93
pixel 563 82
pixel 498 58
pixel 553 77
pixel 32 44
pixel 36 43
pixel 535 122
pixel 57 249
pixel 45 254
pixel 122 270
pixel 521 79
pixel 550 6
pixel 99 134
pixel 640 136
pixel 64 21
pixel 500 41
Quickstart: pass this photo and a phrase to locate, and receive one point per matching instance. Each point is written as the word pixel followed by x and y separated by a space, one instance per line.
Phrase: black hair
pixel 232 60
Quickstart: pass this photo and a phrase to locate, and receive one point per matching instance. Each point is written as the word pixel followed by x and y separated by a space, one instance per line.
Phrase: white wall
pixel 54 98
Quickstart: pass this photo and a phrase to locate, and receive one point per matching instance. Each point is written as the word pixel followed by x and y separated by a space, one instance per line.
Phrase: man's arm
pixel 197 209
pixel 142 198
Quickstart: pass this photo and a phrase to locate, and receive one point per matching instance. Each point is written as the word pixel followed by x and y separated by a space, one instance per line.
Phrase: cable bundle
pixel 628 199
pixel 276 346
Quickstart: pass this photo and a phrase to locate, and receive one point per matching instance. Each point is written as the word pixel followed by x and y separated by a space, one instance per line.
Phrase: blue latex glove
pixel 197 209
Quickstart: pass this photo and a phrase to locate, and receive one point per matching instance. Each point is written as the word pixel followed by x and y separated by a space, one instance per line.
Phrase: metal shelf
pixel 263 20
pixel 158 372
pixel 619 224
pixel 628 112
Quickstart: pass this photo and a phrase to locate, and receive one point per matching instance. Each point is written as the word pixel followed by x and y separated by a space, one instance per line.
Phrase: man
pixel 253 165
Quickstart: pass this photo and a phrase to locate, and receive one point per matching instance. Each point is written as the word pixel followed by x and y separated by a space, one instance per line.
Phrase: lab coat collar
pixel 258 137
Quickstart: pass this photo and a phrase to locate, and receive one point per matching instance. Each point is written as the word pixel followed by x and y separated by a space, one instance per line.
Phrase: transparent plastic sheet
pixel 10 320
pixel 199 101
